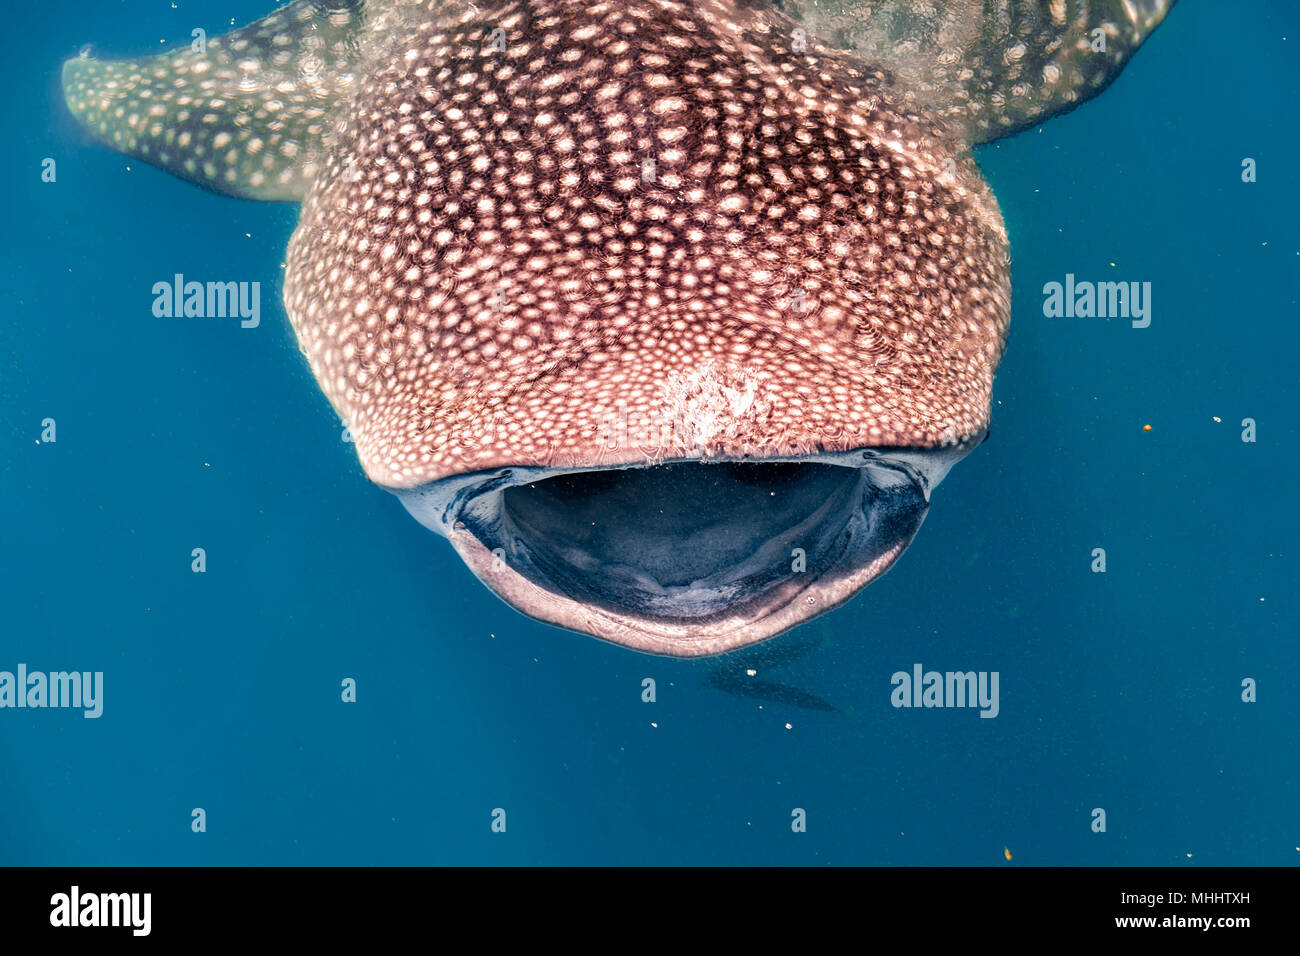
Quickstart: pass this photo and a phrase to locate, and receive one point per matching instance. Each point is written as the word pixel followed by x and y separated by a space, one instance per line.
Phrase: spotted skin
pixel 646 210
pixel 247 114
pixel 989 68
pixel 543 236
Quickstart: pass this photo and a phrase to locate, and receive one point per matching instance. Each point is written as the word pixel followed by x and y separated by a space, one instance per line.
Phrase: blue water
pixel 1119 691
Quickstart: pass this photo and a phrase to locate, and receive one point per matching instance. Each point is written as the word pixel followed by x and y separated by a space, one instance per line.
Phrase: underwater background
pixel 1119 690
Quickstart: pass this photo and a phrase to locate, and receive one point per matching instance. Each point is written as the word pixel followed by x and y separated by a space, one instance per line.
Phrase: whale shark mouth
pixel 686 558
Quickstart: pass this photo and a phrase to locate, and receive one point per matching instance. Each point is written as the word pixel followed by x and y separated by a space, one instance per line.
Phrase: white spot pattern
pixel 505 248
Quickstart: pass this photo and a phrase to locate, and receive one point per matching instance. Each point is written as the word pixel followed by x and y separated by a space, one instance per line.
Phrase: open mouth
pixel 681 542
pixel 686 558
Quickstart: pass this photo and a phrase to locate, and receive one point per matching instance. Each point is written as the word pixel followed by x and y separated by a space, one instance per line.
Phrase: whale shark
pixel 668 314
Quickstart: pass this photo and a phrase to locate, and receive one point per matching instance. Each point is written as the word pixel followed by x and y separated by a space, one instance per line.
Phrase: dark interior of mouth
pixel 685 541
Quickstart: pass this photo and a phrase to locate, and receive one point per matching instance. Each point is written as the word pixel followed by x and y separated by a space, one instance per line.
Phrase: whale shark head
pixel 668 315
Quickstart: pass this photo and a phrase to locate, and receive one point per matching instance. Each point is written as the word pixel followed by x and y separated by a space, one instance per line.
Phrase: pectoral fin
pixel 990 67
pixel 245 114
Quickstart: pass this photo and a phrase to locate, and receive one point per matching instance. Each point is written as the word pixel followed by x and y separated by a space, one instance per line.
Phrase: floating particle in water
pixel 1146 428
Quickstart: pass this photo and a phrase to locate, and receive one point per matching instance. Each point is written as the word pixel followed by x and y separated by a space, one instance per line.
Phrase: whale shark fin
pixel 989 68
pixel 245 114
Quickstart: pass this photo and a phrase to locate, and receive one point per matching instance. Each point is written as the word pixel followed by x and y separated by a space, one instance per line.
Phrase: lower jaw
pixel 688 558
